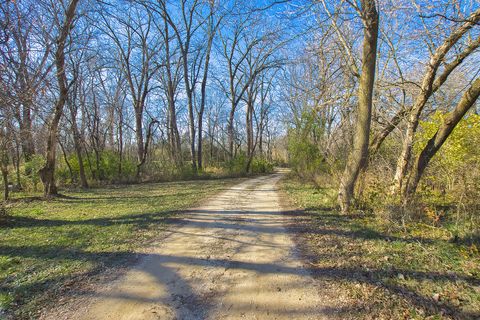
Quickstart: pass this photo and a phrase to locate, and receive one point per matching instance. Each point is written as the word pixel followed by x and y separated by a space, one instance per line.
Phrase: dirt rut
pixel 233 258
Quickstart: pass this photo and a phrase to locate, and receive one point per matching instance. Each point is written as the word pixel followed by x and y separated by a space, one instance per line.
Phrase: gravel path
pixel 233 258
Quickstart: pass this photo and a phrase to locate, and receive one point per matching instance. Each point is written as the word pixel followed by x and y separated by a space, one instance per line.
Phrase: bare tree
pixel 29 64
pixel 47 172
pixel 213 23
pixel 438 139
pixel 137 44
pixel 430 83
pixel 359 153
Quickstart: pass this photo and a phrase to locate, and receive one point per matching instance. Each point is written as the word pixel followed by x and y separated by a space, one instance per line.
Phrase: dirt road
pixel 233 258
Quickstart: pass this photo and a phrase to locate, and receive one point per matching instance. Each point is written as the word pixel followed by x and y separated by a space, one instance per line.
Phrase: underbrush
pixel 108 170
pixel 423 268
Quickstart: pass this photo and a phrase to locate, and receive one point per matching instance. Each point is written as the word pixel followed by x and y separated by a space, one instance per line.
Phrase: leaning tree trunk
pixel 436 142
pixel 47 173
pixel 428 87
pixel 359 154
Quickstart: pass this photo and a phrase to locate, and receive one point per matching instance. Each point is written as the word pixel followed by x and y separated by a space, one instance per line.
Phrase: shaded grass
pixel 385 272
pixel 93 225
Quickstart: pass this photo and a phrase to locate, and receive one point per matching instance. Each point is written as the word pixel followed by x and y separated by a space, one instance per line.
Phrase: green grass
pixel 387 272
pixel 45 244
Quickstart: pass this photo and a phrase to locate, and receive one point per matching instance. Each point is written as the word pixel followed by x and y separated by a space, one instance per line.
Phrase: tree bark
pixel 5 182
pixel 47 173
pixel 28 147
pixel 359 154
pixel 78 148
pixel 139 137
pixel 231 131
pixel 4 164
pixel 174 135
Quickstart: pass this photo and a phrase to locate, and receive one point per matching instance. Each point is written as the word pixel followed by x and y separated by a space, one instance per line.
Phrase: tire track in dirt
pixel 231 258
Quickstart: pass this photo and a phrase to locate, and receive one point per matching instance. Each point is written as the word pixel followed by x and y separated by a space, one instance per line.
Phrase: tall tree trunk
pixel 249 127
pixel 5 182
pixel 47 173
pixel 191 119
pixel 16 164
pixel 435 143
pixel 359 154
pixel 203 90
pixel 4 163
pixel 28 147
pixel 65 158
pixel 231 131
pixel 200 141
pixel 175 143
pixel 120 140
pixel 78 147
pixel 139 138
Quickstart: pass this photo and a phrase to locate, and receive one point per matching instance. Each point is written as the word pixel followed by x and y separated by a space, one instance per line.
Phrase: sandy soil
pixel 233 258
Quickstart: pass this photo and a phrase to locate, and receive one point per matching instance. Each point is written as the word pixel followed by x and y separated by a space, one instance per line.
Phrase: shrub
pixel 305 156
pixel 31 179
pixel 261 165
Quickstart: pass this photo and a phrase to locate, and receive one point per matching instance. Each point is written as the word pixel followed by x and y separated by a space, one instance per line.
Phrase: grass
pixel 47 244
pixel 416 272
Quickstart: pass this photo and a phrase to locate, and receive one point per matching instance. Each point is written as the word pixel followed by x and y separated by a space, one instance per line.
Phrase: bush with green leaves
pixel 107 169
pixel 30 178
pixel 305 156
pixel 454 171
pixel 261 165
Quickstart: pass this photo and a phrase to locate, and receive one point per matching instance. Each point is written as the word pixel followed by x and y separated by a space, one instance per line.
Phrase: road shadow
pixel 298 223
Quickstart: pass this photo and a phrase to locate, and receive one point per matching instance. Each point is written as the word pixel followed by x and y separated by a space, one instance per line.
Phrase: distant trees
pixel 94 92
pixel 121 90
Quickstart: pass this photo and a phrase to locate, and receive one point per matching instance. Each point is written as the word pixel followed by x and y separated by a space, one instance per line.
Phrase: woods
pixel 156 90
pixel 120 91
pixel 372 105
pixel 361 108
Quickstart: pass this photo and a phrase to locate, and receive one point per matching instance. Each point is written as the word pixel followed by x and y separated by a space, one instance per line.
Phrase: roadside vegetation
pixel 422 269
pixel 51 245
pixel 386 163
pixel 393 260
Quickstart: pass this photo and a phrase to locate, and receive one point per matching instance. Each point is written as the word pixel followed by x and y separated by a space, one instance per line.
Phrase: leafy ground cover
pixel 415 272
pixel 47 245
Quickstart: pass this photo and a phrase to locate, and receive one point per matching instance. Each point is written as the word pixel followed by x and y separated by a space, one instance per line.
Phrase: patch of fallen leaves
pixel 380 275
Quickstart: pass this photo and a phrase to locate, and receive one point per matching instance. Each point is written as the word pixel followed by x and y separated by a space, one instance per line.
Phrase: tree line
pixel 142 86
